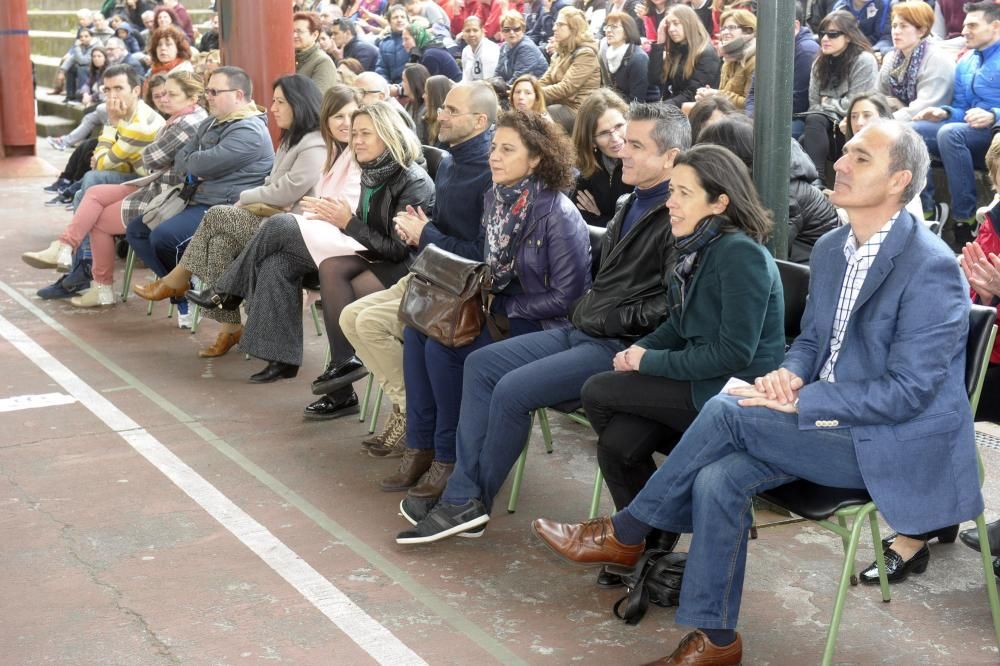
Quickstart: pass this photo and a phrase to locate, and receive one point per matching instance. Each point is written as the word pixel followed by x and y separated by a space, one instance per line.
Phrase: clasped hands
pixel 777 390
pixel 335 211
pixel 410 225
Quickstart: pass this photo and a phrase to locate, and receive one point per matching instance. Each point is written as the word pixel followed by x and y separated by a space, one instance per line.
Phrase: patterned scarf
pixel 688 252
pixel 903 75
pixel 377 172
pixel 504 223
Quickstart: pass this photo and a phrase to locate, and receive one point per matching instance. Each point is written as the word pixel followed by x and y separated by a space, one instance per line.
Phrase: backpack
pixel 657 577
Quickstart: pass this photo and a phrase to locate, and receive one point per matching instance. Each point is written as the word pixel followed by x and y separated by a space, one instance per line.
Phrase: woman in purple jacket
pixel 538 249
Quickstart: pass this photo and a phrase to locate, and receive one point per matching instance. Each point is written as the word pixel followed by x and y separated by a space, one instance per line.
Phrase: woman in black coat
pixel 599 135
pixel 625 60
pixel 683 58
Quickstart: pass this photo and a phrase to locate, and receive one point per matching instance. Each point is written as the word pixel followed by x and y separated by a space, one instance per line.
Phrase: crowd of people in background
pixel 596 155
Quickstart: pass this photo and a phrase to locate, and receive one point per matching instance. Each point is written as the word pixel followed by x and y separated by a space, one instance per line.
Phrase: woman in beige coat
pixel 575 71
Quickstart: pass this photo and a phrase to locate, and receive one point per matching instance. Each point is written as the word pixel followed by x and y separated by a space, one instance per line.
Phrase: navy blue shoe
pixel 80 277
pixel 58 186
pixel 58 290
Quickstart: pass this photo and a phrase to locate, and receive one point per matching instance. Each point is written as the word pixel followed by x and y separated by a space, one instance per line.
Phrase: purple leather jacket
pixel 552 263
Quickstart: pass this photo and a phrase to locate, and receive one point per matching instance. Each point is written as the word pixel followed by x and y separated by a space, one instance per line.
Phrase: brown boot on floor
pixel 223 343
pixel 412 467
pixel 696 650
pixel 379 439
pixel 393 438
pixel 433 481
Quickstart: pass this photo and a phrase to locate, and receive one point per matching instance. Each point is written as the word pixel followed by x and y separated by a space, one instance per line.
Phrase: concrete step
pixel 53 126
pixel 54 43
pixel 52 20
pixel 45 69
pixel 53 105
pixel 73 5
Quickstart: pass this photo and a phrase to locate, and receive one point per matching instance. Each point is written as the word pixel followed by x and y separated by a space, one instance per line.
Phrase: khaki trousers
pixel 371 324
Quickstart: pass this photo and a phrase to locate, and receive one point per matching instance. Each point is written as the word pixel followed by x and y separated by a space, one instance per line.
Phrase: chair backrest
pixel 596 240
pixel 982 332
pixel 795 284
pixel 432 158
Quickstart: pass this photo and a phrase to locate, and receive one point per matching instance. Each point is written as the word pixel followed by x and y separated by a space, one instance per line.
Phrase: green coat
pixel 732 323
pixel 313 63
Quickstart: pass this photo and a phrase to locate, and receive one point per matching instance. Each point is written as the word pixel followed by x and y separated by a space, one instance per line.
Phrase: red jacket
pixel 988 239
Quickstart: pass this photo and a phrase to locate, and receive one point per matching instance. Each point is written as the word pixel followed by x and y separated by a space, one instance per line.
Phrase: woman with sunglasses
pixel 599 136
pixel 518 54
pixel 844 68
pixel 574 71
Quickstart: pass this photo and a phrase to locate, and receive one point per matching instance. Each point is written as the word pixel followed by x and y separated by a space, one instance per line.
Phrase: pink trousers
pixel 100 215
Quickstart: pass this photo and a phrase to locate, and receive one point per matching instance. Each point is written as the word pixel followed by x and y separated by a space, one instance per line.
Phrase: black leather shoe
pixel 209 298
pixel 273 371
pixel 896 569
pixel 971 538
pixel 331 407
pixel 943 535
pixel 660 540
pixel 607 579
pixel 339 375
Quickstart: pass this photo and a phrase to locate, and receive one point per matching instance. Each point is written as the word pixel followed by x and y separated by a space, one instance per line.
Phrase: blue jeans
pixel 503 383
pixel 705 486
pixel 962 150
pixel 433 378
pixel 94 177
pixel 163 247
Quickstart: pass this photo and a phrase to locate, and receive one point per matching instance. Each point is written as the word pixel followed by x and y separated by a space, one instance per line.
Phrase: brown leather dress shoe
pixel 157 290
pixel 696 649
pixel 412 466
pixel 223 343
pixel 592 542
pixel 432 483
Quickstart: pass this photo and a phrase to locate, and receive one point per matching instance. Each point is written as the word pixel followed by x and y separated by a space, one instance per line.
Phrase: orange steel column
pixel 17 99
pixel 256 35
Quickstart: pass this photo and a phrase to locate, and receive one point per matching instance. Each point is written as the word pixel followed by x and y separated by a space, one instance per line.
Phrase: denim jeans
pixel 433 379
pixel 162 248
pixel 962 150
pixel 705 486
pixel 503 383
pixel 94 177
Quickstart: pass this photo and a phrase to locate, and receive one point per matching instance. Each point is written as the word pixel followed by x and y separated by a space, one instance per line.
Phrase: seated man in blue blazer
pixel 870 395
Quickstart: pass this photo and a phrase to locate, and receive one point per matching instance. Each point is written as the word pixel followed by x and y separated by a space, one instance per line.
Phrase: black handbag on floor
pixel 656 578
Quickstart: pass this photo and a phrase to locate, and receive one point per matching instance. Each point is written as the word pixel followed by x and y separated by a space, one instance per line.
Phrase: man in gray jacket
pixel 231 152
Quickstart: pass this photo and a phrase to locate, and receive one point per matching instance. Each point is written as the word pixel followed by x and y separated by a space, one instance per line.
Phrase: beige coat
pixel 736 78
pixel 571 78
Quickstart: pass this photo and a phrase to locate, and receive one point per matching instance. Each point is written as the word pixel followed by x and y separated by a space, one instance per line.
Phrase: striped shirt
pixel 120 146
pixel 859 260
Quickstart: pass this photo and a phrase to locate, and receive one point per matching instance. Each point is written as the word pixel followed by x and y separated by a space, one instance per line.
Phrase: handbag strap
pixel 497 323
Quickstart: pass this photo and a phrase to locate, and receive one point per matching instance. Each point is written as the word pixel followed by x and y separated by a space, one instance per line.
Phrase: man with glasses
pixel 506 381
pixel 480 56
pixel 371 323
pixel 518 55
pixel 345 36
pixel 311 61
pixel 373 88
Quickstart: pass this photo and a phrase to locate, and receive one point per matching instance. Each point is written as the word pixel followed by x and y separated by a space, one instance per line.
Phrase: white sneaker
pixel 50 257
pixel 185 320
pixel 98 295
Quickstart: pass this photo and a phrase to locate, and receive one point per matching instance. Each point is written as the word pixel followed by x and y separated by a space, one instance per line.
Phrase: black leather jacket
pixel 628 298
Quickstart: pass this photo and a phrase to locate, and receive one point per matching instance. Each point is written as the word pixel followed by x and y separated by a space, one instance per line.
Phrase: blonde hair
pixel 579 31
pixel 695 37
pixel 399 139
pixel 993 159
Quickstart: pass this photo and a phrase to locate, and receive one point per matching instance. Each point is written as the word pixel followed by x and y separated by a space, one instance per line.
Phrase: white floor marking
pixel 18 402
pixel 371 636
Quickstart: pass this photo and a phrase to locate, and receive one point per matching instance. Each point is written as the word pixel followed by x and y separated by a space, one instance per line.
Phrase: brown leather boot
pixel 223 343
pixel 433 481
pixel 412 466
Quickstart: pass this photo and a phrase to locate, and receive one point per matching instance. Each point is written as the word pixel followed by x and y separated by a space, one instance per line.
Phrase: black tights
pixel 343 280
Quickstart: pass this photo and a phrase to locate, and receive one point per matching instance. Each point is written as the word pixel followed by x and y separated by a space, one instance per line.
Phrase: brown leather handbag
pixel 445 296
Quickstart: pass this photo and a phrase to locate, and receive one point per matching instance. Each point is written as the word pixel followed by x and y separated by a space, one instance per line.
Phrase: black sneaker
pixel 58 186
pixel 414 509
pixel 446 520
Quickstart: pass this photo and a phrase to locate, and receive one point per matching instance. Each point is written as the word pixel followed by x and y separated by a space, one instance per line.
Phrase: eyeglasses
pixel 608 27
pixel 215 92
pixel 450 112
pixel 510 28
pixel 730 28
pixel 300 33
pixel 830 34
pixel 364 92
pixel 618 130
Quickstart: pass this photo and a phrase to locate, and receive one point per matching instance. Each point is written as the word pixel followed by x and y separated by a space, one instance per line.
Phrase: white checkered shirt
pixel 859 260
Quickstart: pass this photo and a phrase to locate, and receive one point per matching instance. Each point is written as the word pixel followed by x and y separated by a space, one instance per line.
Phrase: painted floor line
pixel 19 402
pixel 420 593
pixel 360 627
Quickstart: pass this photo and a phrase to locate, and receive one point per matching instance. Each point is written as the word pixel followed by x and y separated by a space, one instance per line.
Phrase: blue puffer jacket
pixel 524 58
pixel 977 83
pixel 394 57
pixel 227 158
pixel 552 263
pixel 438 61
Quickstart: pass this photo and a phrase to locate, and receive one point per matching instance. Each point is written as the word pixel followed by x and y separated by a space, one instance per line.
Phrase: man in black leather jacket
pixel 506 381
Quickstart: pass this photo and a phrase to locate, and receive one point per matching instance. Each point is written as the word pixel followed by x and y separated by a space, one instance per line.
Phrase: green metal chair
pixel 363 413
pixel 821 503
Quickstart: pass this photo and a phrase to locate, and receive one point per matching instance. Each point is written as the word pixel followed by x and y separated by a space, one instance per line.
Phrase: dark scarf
pixel 903 75
pixel 688 253
pixel 377 172
pixel 504 224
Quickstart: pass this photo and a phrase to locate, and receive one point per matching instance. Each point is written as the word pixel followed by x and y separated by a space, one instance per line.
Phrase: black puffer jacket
pixel 411 187
pixel 628 298
pixel 810 213
pixel 606 188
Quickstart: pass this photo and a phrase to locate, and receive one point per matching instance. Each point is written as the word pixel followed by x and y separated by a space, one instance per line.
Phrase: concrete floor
pixel 174 513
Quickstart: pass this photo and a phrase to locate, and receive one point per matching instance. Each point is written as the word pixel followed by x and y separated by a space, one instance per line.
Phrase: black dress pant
pixel 635 416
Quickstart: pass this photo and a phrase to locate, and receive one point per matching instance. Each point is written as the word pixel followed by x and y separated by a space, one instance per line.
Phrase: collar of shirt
pixel 855 254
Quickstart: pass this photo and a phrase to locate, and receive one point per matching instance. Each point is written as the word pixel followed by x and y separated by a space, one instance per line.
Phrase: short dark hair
pixel 734 133
pixel 672 128
pixel 990 9
pixel 305 99
pixel 134 80
pixel 704 108
pixel 345 25
pixel 236 78
pixel 800 13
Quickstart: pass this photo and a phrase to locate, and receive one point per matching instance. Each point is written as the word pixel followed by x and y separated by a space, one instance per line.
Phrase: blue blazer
pixel 900 376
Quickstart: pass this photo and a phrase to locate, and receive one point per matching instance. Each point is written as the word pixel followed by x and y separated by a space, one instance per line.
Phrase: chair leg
pixel 753 520
pixel 883 578
pixel 149 308
pixel 170 311
pixel 843 539
pixel 129 269
pixel 991 582
pixel 364 401
pixel 595 500
pixel 375 408
pixel 845 580
pixel 515 485
pixel 315 315
pixel 543 423
pixel 195 318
